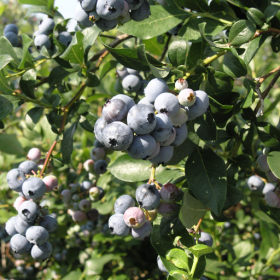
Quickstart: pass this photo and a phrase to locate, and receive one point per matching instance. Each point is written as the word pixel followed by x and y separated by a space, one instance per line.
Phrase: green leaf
pixel 107 67
pixel 10 145
pixel 270 12
pixel 206 177
pixel 75 51
pixel 191 210
pixel 171 225
pixel 205 127
pixel 197 5
pixel 255 16
pixel 234 65
pixel 221 82
pixel 90 35
pixel 162 19
pixel 250 98
pixel 8 103
pixel 275 44
pixel 26 61
pixel 4 86
pixel 178 257
pixel 177 52
pixel 92 80
pixel 57 75
pixel 27 83
pixel 5 59
pixel 196 52
pixel 34 2
pixel 247 137
pixel 7 48
pixel 268 134
pixel 273 160
pixel 73 275
pixel 200 249
pixel 157 72
pixel 40 9
pixel 67 143
pixel 87 122
pixel 33 116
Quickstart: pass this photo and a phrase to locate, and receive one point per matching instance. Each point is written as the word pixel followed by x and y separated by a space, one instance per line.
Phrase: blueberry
pixel 42 40
pixel 20 245
pixel 114 110
pixel 13 38
pixel 147 196
pixel 167 103
pixel 86 185
pixel 101 192
pixel 10 226
pixel 271 199
pixel 124 20
pixel 82 17
pixel 94 193
pixel 255 183
pixel 34 154
pixel 121 71
pixel 180 118
pixel 131 83
pixel 73 187
pixel 143 232
pixel 117 225
pixel 15 179
pixel 200 106
pixel 169 193
pixel 181 84
pixel 206 239
pixel 80 217
pixel 134 217
pixel 65 38
pixel 142 147
pixel 141 119
pixel 268 187
pixel 187 97
pixel 92 215
pixel 33 188
pixel 163 128
pixel 167 209
pixel 66 196
pixel 117 136
pixel 142 88
pixel 109 9
pixel 262 163
pixel 134 4
pixel 97 153
pixel 123 203
pixel 156 151
pixel 98 144
pixel 181 135
pixel 271 177
pixel 133 71
pixel 29 211
pixel 142 13
pixel 22 226
pixel 41 252
pixel 146 102
pixel 266 150
pixel 46 26
pixel 93 16
pixel 161 265
pixel 170 140
pixel 88 5
pixel 98 129
pixel 37 235
pixel 11 28
pixel 126 99
pixel 154 88
pixel 100 166
pixel 28 166
pixel 85 205
pixel 165 154
pixel 75 197
pixel 49 222
pixel 106 25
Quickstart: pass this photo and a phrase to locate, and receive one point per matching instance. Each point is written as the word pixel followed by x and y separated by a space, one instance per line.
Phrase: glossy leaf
pixel 9 144
pixel 4 85
pixel 268 134
pixel 32 117
pixel 27 83
pixel 177 52
pixel 8 103
pixel 273 160
pixel 234 65
pixel 26 61
pixel 200 249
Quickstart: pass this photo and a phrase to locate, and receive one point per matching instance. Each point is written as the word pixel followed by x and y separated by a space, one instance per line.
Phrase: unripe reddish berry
pixel 134 217
pixel 167 209
pixel 51 183
pixel 80 218
pixel 169 192
pixel 18 202
pixel 85 205
pixel 88 165
pixel 66 196
pixel 34 154
pixel 92 215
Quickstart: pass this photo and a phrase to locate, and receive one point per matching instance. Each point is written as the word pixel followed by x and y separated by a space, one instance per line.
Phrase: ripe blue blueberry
pixel 161 265
pixel 86 185
pixel 262 163
pixel 268 187
pixel 154 88
pixel 42 40
pixel 15 179
pixel 37 235
pixel 10 226
pixel 29 211
pixel 22 226
pixel 200 106
pixel 121 71
pixel 33 188
pixel 20 245
pixel 146 102
pixel 131 83
pixel 117 225
pixel 126 99
pixel 88 5
pixel 117 136
pixel 133 71
pixel 163 128
pixel 170 140
pixel 147 196
pixel 271 199
pixel 181 135
pixel 105 24
pixel 100 166
pixel 41 252
pixel 143 232
pixel 109 9
pixel 82 17
pixel 93 16
pixel 98 129
pixel 206 239
pixel 167 103
pixel 97 153
pixel 255 183
pixel 114 110
pixel 134 4
pixel 49 222
pixel 46 26
pixel 92 215
pixel 11 28
pixel 98 144
pixel 165 154
pixel 142 13
pixel 142 147
pixel 28 166
pixel 141 119
pixel 123 203
pixel 13 38
pixel 65 38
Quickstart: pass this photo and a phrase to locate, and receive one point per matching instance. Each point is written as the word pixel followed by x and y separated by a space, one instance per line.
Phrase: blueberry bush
pixel 142 145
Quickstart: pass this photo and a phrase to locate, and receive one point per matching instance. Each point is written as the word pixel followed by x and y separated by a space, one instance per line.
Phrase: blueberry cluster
pixel 149 129
pixel 108 14
pixel 152 199
pixel 30 229
pixel 41 36
pixel 11 33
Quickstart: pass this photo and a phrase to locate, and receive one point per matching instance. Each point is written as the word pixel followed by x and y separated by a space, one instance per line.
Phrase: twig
pixel 198 225
pixel 165 47
pixel 42 81
pixel 96 67
pixel 263 78
pixel 258 33
pixel 108 36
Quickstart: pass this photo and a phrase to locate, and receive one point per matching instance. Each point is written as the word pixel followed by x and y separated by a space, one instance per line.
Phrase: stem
pixel 153 173
pixel 207 15
pixel 165 47
pixel 75 98
pixel 263 78
pixel 195 261
pixel 258 33
pixel 198 225
pixel 96 67
pixel 27 99
pixel 48 158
